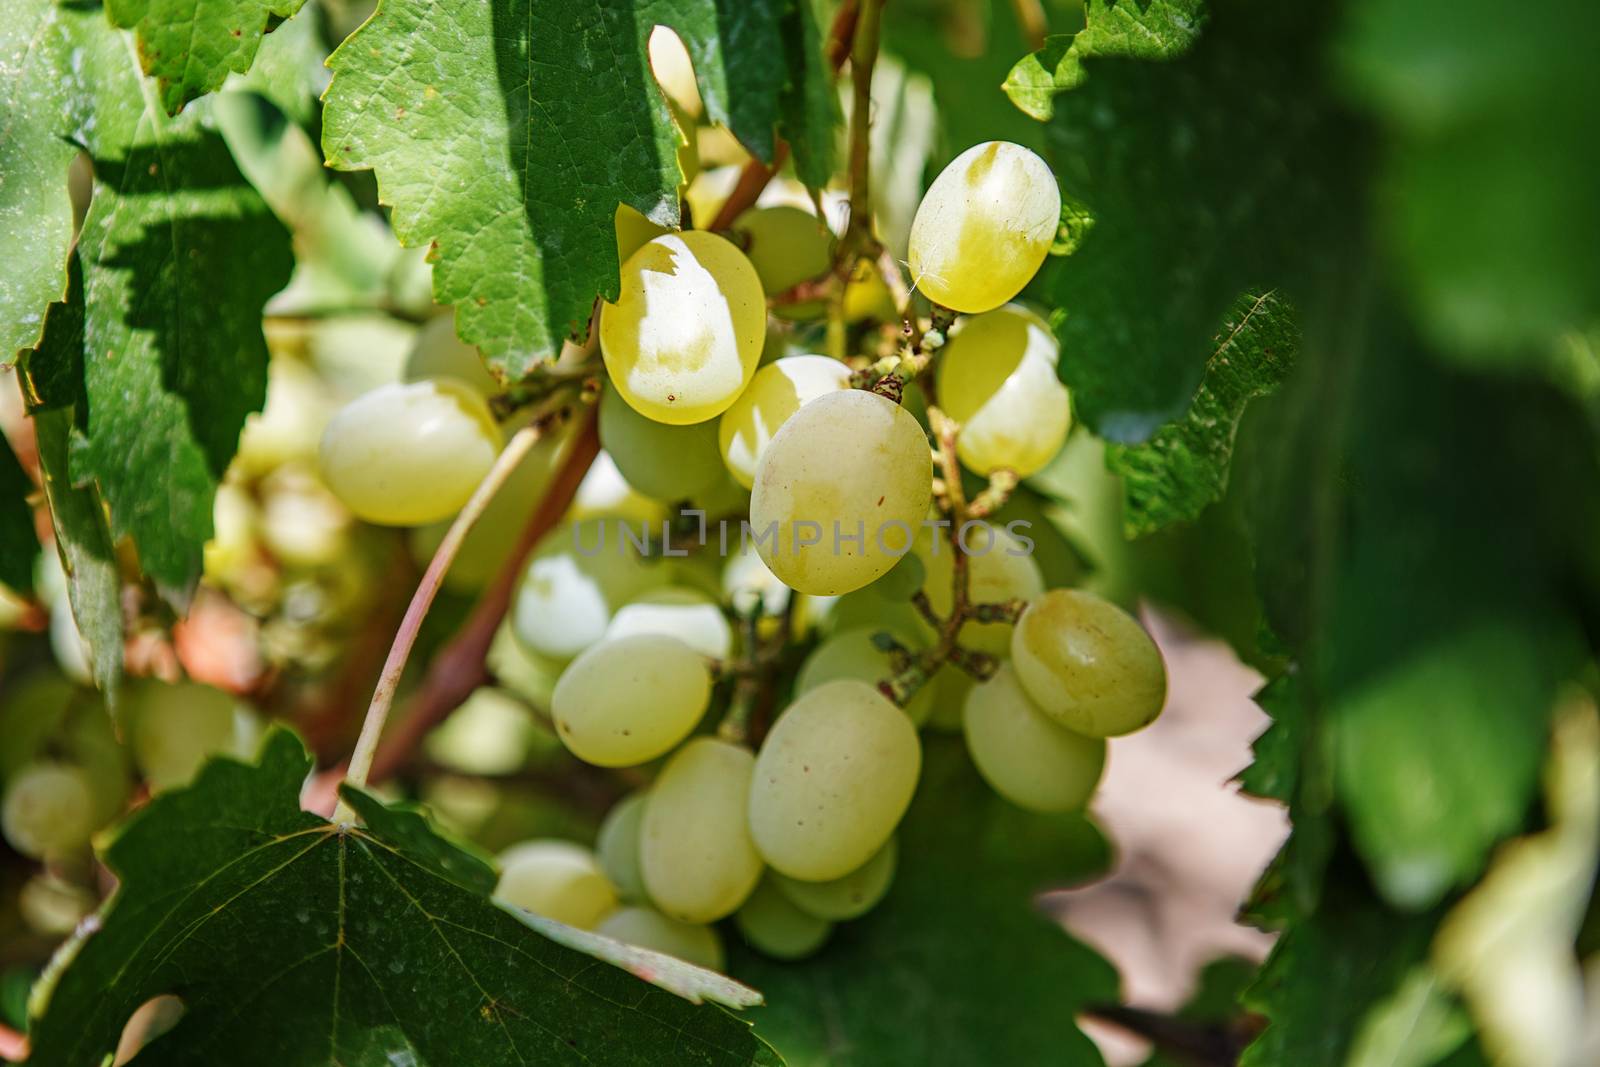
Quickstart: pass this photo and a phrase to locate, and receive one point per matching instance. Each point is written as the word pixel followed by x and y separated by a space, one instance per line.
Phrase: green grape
pixel 984 227
pixel 748 582
pixel 48 810
pixel 1088 664
pixel 867 296
pixel 674 71
pixel 778 390
pixel 576 582
pixel 787 246
pixel 233 554
pixel 302 524
pixel 626 701
pixel 604 493
pixel 32 713
pixel 997 378
pixel 774 926
pixel 695 851
pixel 832 781
pixel 633 230
pixel 682 340
pixel 1030 759
pixel 849 896
pixel 674 611
pixel 491 733
pixel 843 487
pixel 666 462
pixel 407 454
pixel 438 352
pixel 174 728
pixel 998 570
pixel 289 424
pixel 531 675
pixel 853 654
pixel 618 845
pixel 556 879
pixel 67 644
pixel 53 906
pixel 693 943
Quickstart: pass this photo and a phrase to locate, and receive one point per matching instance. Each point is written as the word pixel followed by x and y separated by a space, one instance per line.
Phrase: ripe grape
pixel 772 924
pixel 997 378
pixel 950 687
pixel 412 453
pixel 556 879
pixel 682 340
pixel 832 781
pixel 289 424
pixel 627 701
pixel 853 654
pixel 849 896
pixel 984 227
pixel 438 352
pixel 786 245
pixel 491 733
pixel 997 570
pixel 604 493
pixel 695 850
pixel 48 810
pixel 670 63
pixel 618 845
pixel 674 611
pixel 30 715
pixel 666 462
pixel 778 390
pixel 576 582
pixel 1029 758
pixel 302 524
pixel 747 582
pixel 693 943
pixel 633 230
pixel 67 644
pixel 848 465
pixel 1088 664
pixel 174 728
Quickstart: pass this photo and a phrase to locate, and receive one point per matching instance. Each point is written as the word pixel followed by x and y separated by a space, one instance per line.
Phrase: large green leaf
pixel 1208 175
pixel 190 46
pixel 83 540
pixel 1326 974
pixel 1426 542
pixel 18 542
pixel 1489 202
pixel 956 965
pixel 35 210
pixel 178 256
pixel 1139 29
pixel 505 133
pixel 293 942
pixel 1176 474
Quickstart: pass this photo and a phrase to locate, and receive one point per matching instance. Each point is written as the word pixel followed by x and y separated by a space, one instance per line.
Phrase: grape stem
pixel 754 673
pixel 915 670
pixel 553 412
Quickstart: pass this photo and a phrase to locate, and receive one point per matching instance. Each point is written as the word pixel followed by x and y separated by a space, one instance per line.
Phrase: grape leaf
pixel 178 256
pixel 1147 29
pixel 190 46
pixel 1173 476
pixel 1384 479
pixel 293 942
pixel 35 210
pixel 1208 175
pixel 18 542
pixel 288 69
pixel 952 967
pixel 505 133
pixel 1489 203
pixel 1327 973
pixel 54 377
